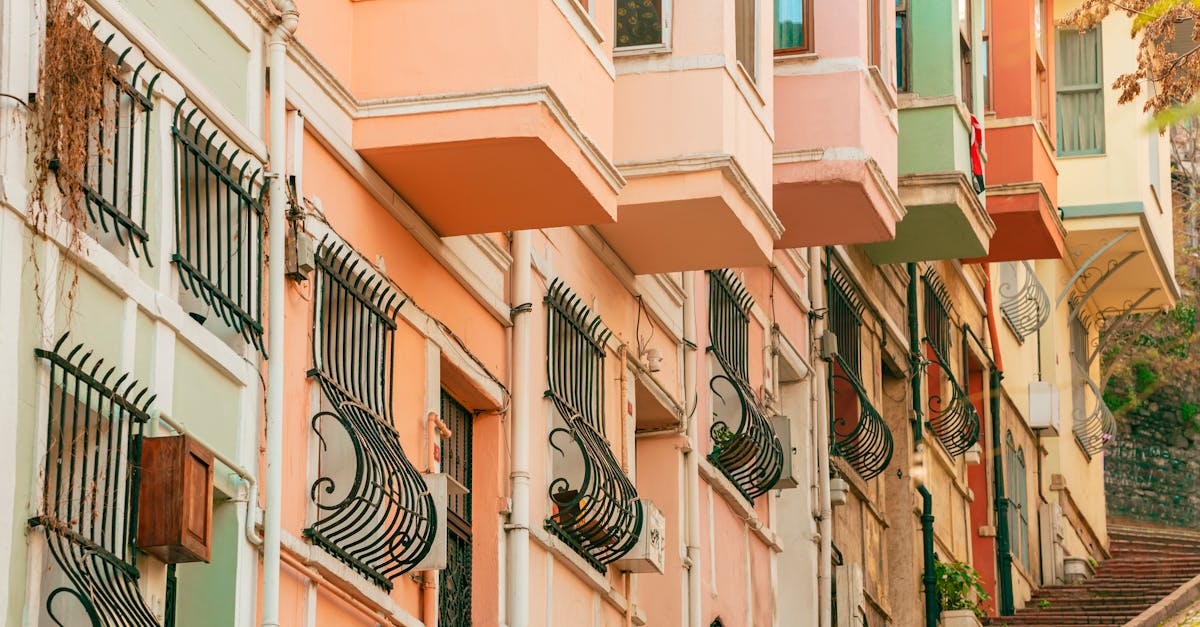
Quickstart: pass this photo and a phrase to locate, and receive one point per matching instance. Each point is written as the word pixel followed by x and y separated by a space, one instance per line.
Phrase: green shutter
pixel 1080 90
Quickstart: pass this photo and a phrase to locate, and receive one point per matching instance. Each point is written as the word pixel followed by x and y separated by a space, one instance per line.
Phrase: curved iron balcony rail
pixel 218 224
pixel 955 421
pixel 1095 429
pixel 729 306
pixel 1024 303
pixel 863 440
pixel 90 489
pixel 595 504
pixel 383 522
pixel 746 448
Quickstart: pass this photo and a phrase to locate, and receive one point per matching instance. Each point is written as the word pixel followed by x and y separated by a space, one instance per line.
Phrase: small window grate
pixel 375 512
pixel 1024 303
pixel 952 416
pixel 89 505
pixel 845 320
pixel 575 356
pixel 729 323
pixel 218 224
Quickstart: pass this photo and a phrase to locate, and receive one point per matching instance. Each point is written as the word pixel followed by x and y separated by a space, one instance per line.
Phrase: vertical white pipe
pixel 691 460
pixel 816 293
pixel 277 112
pixel 518 519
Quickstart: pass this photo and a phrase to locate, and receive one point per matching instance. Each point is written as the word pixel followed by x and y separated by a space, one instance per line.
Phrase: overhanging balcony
pixel 506 125
pixel 945 220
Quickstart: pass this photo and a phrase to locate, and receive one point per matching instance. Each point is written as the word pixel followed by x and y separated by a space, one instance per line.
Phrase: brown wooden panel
pixel 175 500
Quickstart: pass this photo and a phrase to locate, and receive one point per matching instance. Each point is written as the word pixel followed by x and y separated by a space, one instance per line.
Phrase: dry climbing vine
pixel 70 96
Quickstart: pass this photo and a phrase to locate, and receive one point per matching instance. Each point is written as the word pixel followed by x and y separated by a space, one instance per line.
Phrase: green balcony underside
pixel 945 220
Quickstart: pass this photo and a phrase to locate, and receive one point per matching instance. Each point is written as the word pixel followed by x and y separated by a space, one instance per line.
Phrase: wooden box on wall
pixel 175 500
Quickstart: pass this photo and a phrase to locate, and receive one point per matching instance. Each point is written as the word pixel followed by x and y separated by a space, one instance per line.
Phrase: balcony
pixel 506 125
pixel 945 220
pixel 1118 263
pixel 835 141
pixel 693 140
pixel 1022 195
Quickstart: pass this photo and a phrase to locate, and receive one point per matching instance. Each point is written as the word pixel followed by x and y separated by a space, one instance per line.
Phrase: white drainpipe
pixel 691 458
pixel 517 579
pixel 820 409
pixel 277 112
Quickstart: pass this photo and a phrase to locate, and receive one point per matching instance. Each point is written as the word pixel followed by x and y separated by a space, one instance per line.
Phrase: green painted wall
pixel 208 592
pixel 934 29
pixel 206 401
pixel 933 139
pixel 202 44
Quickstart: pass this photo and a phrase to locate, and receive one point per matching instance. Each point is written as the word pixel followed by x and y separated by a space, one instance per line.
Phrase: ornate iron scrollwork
pixel 859 434
pixel 746 448
pixel 1024 303
pixel 1095 428
pixel 595 504
pixel 952 416
pixel 90 489
pixel 218 225
pixel 375 511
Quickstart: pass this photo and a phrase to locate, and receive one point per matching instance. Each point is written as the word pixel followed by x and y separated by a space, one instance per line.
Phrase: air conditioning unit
pixel 650 552
pixel 787 477
pixel 440 487
pixel 1044 407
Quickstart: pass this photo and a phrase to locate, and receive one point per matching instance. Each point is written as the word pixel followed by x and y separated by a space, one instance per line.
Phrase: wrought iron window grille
pixel 218 224
pixel 595 508
pixel 858 432
pixel 375 512
pixel 454 587
pixel 1024 303
pixel 952 416
pixel 746 448
pixel 1094 428
pixel 88 511
pixel 114 183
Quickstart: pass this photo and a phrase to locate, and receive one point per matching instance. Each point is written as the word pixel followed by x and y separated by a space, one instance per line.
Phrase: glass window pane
pixel 638 23
pixel 789 24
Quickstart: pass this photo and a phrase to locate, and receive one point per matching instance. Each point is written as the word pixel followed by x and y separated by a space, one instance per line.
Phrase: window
pixel 1040 30
pixel 1018 500
pixel 793 26
pixel 875 33
pixel 595 508
pixel 952 416
pixel 986 56
pixel 1080 90
pixel 745 447
pixel 454 589
pixel 903 50
pixel 375 512
pixel 965 34
pixel 218 226
pixel 639 23
pixel 88 510
pixel 746 23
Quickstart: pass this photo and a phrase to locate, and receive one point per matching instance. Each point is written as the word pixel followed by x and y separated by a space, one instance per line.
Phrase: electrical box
pixel 440 487
pixel 829 345
pixel 787 477
pixel 650 552
pixel 299 255
pixel 175 500
pixel 1044 407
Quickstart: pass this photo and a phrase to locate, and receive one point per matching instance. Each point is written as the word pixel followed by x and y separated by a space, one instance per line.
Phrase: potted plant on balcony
pixel 961 591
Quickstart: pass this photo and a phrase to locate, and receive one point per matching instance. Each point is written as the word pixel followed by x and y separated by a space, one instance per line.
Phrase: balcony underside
pixel 1127 269
pixel 692 220
pixel 826 202
pixel 486 169
pixel 945 220
pixel 1027 224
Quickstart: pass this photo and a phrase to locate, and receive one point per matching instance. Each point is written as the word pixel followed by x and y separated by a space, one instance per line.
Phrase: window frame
pixel 986 54
pixel 665 14
pixel 740 7
pixel 902 77
pixel 1097 87
pixel 875 36
pixel 806 33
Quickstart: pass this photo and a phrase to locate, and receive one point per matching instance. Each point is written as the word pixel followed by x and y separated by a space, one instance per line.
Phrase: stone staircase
pixel 1148 563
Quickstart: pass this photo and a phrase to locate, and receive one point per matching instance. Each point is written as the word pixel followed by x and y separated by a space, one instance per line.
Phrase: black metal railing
pixel 746 448
pixel 89 504
pixel 595 508
pixel 1024 303
pixel 218 224
pixel 375 512
pixel 952 416
pixel 114 183
pixel 729 323
pixel 858 432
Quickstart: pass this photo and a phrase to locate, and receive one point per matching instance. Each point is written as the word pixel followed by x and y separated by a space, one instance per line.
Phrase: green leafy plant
pixel 960 587
pixel 1044 604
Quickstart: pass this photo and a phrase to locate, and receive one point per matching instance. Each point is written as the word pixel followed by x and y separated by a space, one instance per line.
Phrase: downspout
pixel 289 18
pixel 691 477
pixel 933 608
pixel 816 295
pixel 1003 552
pixel 517 579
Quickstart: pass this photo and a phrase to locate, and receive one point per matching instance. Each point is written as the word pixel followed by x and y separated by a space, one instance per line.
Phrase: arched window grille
pixel 1093 424
pixel 595 508
pixel 218 223
pixel 860 435
pixel 1024 303
pixel 89 505
pixel 746 448
pixel 375 512
pixel 952 416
